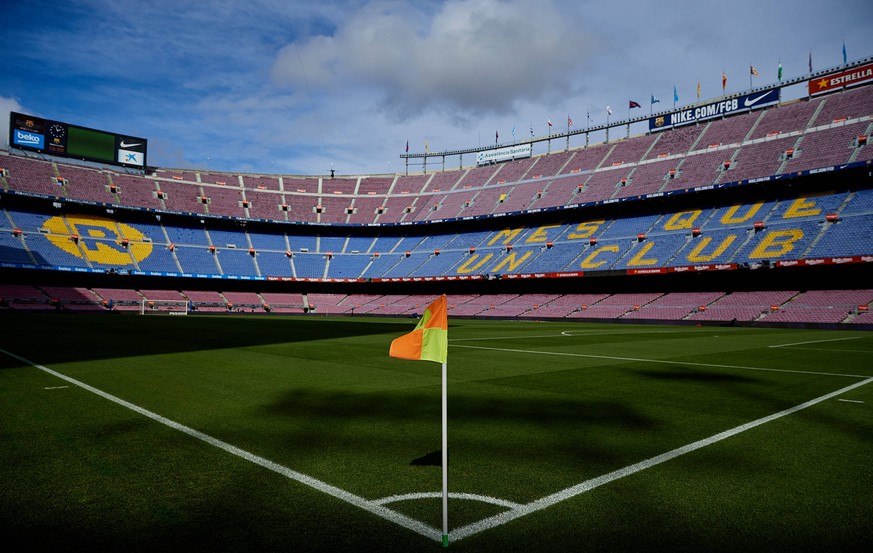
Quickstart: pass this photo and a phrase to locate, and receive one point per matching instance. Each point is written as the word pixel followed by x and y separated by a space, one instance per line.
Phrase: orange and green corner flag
pixel 429 341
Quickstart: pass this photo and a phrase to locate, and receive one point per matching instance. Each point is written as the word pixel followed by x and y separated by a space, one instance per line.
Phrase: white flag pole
pixel 445 460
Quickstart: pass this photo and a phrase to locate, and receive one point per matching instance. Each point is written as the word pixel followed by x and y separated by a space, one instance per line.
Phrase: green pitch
pixel 158 433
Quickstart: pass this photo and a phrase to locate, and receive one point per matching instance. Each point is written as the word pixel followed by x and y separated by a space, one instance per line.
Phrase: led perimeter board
pixel 55 138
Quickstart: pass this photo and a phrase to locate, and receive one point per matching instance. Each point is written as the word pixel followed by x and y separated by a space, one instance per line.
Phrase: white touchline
pixel 664 361
pixel 589 485
pixel 850 400
pixel 564 333
pixel 816 342
pixel 365 504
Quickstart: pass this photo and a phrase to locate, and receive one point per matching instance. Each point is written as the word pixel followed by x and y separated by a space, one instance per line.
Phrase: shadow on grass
pixel 51 338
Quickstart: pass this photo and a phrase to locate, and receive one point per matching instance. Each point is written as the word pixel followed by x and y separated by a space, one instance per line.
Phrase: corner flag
pixel 429 341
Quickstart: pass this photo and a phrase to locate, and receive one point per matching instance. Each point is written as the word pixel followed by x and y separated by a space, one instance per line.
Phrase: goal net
pixel 163 307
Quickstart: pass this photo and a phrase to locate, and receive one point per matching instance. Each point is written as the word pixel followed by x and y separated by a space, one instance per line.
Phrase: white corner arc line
pixel 452 495
pixel 663 361
pixel 589 485
pixel 357 501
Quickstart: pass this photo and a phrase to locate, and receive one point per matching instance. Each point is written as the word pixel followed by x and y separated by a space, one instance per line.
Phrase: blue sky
pixel 296 87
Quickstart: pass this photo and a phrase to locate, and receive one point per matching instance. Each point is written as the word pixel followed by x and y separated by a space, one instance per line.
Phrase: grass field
pixel 198 433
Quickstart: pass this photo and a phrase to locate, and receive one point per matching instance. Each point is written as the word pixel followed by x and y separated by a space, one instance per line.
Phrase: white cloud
pixel 7 105
pixel 471 55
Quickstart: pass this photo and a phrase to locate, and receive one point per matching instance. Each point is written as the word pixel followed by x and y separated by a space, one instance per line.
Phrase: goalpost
pixel 163 307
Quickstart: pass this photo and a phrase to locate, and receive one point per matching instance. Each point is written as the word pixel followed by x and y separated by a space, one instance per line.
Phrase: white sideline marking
pixel 850 400
pixel 55 387
pixel 588 485
pixel 830 349
pixel 663 361
pixel 563 333
pixel 452 495
pixel 338 493
pixel 816 342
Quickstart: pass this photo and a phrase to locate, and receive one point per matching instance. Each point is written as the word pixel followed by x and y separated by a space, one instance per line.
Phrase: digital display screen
pixel 63 139
pixel 89 144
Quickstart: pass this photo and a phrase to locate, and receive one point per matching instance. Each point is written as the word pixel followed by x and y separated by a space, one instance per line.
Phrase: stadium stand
pixel 212 225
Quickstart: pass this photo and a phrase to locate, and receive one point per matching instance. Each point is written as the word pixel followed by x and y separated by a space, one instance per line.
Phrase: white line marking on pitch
pixel 338 493
pixel 563 333
pixel 850 400
pixel 663 361
pixel 588 485
pixel 816 342
pixel 55 387
pixel 830 350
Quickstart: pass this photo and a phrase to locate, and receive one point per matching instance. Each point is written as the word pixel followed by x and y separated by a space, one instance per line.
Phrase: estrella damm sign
pixel 101 240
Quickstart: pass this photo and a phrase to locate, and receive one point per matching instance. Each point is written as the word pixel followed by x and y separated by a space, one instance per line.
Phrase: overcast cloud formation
pixel 296 87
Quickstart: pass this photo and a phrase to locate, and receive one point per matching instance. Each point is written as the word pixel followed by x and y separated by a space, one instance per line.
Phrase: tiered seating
pixel 283 303
pixel 826 148
pixel 821 306
pixel 788 117
pixel 742 306
pixel 31 175
pixel 224 201
pixel 334 209
pixel 699 169
pixel 849 103
pixel 366 209
pixel 521 197
pixel 730 130
pixel 137 191
pixel 328 303
pixel 477 177
pixel 115 299
pixel 87 184
pixel 613 307
pixel 759 160
pixel 647 179
pixel 185 197
pixel 258 182
pixel 243 298
pixel 514 171
pixel 674 306
pixel 677 141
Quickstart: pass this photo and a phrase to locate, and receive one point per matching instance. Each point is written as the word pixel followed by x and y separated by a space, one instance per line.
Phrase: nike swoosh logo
pixel 126 145
pixel 752 101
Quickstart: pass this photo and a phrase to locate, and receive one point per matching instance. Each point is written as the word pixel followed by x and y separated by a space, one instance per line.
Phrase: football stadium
pixel 655 340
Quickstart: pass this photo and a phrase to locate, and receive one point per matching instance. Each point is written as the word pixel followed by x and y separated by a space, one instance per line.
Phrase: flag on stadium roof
pixel 810 61
pixel 429 341
pixel 407 145
pixel 569 121
pixel 631 104
pixel 698 89
pixel 608 110
pixel 753 71
pixel 675 94
pixel 779 71
pixel 723 80
pixel 844 51
pixel 655 99
pixel 549 121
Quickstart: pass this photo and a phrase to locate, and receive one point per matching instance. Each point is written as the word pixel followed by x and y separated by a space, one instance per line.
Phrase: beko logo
pixel 28 138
